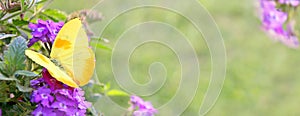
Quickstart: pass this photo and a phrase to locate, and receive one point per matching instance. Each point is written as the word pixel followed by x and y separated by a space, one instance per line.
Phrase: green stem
pixel 11 16
pixel 47 48
pixel 3 14
pixel 40 10
pixel 36 68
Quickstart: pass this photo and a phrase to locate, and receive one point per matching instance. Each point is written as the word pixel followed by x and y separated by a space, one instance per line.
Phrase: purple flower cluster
pixel 141 107
pixel 55 98
pixel 275 21
pixel 44 31
pixel 290 2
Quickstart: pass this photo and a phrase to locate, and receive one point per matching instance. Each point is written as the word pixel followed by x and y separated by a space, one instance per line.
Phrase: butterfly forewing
pixel 54 70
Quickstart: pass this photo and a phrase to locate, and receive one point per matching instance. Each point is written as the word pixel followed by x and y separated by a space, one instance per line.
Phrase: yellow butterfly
pixel 71 61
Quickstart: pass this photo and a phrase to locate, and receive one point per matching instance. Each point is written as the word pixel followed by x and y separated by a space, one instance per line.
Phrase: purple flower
pixel 271 16
pixel 267 4
pixel 274 21
pixel 290 2
pixel 41 110
pixel 142 113
pixel 136 101
pixel 42 95
pixel 59 100
pixel 78 96
pixel 36 83
pixel 141 107
pixel 38 111
pixel 288 36
pixel 274 18
pixel 44 31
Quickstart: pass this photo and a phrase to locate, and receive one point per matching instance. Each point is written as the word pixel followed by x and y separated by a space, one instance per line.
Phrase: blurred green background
pixel 262 76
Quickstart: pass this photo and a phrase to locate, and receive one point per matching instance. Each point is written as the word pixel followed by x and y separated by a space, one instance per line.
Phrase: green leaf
pixel 55 15
pixel 4 36
pixel 22 32
pixel 94 112
pixel 106 87
pixel 7 79
pixel 26 73
pixel 39 1
pixel 115 92
pixel 23 88
pixel 23 5
pixel 2 77
pixel 3 86
pixel 96 88
pixel 93 97
pixel 99 45
pixel 14 56
pixel 19 22
pixel 32 3
pixel 3 91
pixel 2 67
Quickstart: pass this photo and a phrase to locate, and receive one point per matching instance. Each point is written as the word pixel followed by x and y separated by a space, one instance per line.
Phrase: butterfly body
pixel 71 61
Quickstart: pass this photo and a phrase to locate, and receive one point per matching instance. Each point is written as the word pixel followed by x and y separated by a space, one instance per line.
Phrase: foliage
pixel 16 71
pixel 14 80
pixel 14 57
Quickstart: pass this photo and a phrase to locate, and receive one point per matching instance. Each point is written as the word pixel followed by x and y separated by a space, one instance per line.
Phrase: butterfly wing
pixel 54 70
pixel 71 49
pixel 84 59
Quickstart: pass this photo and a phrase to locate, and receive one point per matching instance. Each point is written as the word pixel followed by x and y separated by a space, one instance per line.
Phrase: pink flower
pixel 44 31
pixel 55 98
pixel 290 2
pixel 141 107
pixel 274 20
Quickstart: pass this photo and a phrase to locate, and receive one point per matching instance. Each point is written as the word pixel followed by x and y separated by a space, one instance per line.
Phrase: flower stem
pixel 11 16
pixel 47 48
pixel 40 10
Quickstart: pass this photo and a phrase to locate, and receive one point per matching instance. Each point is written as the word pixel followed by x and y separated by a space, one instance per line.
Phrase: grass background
pixel 262 76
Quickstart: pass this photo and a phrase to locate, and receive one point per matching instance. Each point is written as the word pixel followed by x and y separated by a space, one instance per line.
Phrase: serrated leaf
pixel 3 91
pixel 55 15
pixel 14 56
pixel 2 67
pixel 115 92
pixel 4 36
pixel 2 77
pixel 23 88
pixel 26 73
pixel 3 85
